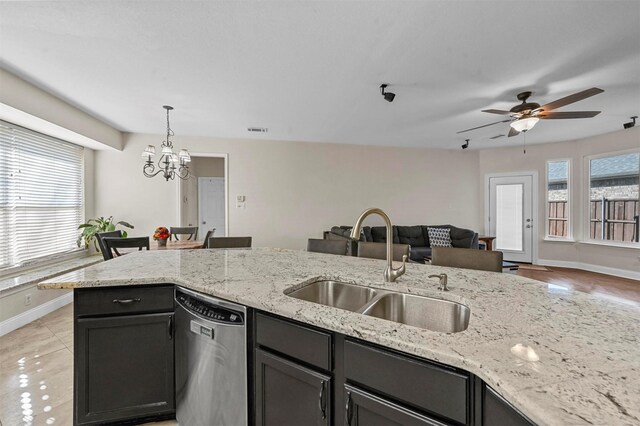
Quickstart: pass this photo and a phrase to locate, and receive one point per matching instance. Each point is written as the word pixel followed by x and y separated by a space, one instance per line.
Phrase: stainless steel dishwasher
pixel 211 361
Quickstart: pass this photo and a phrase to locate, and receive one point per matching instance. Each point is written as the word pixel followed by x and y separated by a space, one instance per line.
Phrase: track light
pixel 631 123
pixel 388 96
pixel 465 145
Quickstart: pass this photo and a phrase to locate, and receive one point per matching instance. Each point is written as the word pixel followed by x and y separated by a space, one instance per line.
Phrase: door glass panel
pixel 509 229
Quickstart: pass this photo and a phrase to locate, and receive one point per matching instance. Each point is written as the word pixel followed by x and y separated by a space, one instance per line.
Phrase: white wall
pixel 296 190
pixel 41 107
pixel 513 160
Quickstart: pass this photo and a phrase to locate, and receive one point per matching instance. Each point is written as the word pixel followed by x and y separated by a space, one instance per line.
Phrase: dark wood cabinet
pixel 124 364
pixel 496 411
pixel 290 394
pixel 365 409
pixel 443 391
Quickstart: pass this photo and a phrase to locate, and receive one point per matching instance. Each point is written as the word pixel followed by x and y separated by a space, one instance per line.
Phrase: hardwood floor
pixel 600 285
pixel 36 362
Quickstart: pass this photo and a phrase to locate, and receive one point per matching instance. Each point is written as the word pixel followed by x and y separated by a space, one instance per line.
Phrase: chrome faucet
pixel 390 274
pixel 443 281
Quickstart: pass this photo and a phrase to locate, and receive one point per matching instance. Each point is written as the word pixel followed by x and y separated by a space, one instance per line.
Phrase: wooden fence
pixel 620 224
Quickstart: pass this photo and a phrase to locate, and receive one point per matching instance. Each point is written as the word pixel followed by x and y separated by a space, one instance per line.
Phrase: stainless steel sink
pixel 336 294
pixel 419 311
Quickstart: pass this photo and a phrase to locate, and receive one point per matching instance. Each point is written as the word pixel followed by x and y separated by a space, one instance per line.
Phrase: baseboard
pixel 623 273
pixel 33 314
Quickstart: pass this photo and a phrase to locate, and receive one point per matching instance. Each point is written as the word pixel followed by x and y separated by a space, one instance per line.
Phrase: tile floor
pixel 36 362
pixel 36 373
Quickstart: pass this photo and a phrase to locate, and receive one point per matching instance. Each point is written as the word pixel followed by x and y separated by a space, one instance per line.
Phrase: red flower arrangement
pixel 161 233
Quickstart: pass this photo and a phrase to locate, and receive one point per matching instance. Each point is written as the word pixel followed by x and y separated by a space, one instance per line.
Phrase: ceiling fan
pixel 525 115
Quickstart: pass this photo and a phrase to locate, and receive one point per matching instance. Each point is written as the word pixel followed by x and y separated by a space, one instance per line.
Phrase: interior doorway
pixel 211 205
pixel 510 215
pixel 204 195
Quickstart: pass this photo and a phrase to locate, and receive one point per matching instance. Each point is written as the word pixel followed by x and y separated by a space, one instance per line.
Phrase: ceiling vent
pixel 257 129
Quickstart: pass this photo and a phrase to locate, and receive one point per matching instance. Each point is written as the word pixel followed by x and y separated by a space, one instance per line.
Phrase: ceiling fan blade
pixel 570 99
pixel 513 132
pixel 486 125
pixel 497 111
pixel 570 114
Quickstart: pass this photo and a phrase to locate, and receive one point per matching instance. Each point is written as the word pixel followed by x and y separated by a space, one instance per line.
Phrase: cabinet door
pixel 123 367
pixel 496 411
pixel 290 394
pixel 365 409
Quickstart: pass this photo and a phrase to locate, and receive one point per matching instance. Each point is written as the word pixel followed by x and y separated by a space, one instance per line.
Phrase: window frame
pixel 570 235
pixel 586 207
pixel 61 256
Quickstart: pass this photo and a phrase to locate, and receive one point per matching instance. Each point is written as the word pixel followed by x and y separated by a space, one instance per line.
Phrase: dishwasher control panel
pixel 209 311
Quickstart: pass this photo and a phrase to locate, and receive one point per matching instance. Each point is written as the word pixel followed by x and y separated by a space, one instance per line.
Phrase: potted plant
pixel 95 226
pixel 161 235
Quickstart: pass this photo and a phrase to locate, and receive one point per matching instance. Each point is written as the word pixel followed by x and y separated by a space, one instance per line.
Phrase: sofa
pixel 416 236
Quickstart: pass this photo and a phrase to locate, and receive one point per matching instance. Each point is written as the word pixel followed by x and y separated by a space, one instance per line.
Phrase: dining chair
pixel 379 250
pixel 230 242
pixel 467 258
pixel 328 246
pixel 103 248
pixel 191 231
pixel 207 236
pixel 112 244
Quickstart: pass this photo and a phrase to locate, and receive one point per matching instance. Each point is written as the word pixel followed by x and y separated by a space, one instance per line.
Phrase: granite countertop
pixel 587 348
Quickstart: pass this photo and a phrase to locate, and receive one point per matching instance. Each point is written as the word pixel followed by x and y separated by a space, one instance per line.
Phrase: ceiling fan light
pixel 524 124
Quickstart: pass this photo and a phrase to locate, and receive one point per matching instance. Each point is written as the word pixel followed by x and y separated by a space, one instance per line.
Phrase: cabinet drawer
pixel 123 300
pixel 426 386
pixel 297 341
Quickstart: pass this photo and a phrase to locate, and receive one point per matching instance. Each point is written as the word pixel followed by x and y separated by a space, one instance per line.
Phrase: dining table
pixel 177 245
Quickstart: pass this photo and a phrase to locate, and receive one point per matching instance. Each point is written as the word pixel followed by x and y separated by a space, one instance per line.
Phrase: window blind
pixel 41 197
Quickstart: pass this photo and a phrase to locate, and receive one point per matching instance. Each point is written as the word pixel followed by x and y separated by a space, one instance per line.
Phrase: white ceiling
pixel 310 70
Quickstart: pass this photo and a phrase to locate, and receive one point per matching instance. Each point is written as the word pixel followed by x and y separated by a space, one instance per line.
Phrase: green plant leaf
pixel 111 227
pixel 124 234
pixel 127 224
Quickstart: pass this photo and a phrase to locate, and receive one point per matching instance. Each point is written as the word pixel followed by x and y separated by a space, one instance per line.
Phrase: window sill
pixel 560 240
pixel 635 246
pixel 19 278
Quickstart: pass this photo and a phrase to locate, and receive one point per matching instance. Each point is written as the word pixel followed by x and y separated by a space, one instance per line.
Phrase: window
pixel 558 225
pixel 41 203
pixel 613 197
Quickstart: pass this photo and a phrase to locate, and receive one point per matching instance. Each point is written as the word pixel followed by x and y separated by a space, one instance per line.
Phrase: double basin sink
pixel 418 311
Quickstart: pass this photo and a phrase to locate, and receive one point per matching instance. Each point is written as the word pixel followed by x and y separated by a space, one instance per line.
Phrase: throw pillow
pixel 439 237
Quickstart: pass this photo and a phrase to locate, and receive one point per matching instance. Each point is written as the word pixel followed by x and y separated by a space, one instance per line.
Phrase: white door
pixel 511 216
pixel 211 202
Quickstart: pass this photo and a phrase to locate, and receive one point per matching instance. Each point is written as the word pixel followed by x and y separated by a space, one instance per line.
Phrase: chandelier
pixel 170 164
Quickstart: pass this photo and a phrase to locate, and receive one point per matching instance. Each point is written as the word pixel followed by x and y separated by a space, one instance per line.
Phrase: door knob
pixel 528 220
pixel 528 226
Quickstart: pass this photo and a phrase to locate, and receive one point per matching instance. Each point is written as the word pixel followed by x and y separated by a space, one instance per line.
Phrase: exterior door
pixel 511 218
pixel 211 203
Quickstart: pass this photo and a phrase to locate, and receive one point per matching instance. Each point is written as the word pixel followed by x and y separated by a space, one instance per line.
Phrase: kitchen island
pixel 558 356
